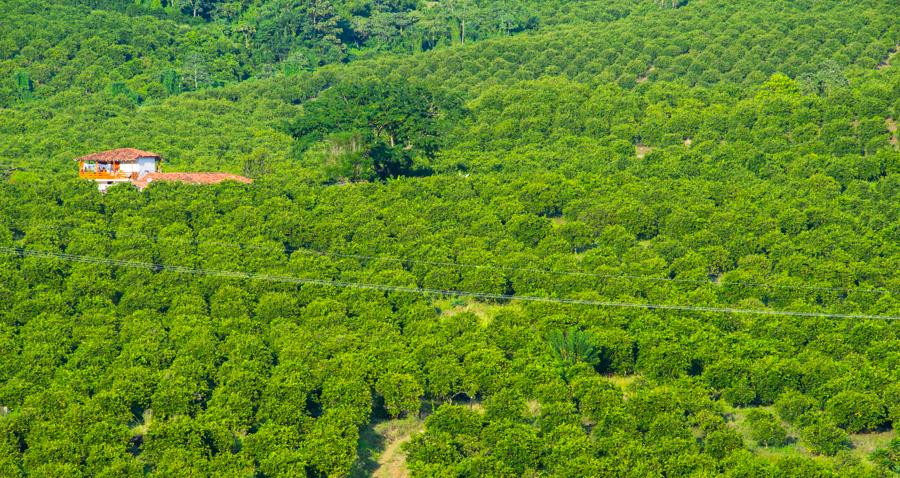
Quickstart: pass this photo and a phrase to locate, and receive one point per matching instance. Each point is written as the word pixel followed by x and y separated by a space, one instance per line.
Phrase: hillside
pixel 627 238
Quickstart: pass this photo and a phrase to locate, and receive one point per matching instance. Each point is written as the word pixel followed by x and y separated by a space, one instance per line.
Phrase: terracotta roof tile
pixel 123 155
pixel 190 178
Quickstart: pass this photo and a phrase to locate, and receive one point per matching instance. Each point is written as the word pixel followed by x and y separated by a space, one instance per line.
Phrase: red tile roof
pixel 122 155
pixel 190 178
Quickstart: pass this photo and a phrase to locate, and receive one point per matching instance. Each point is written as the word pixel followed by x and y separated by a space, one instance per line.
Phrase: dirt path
pixel 886 63
pixel 892 127
pixel 641 151
pixel 392 461
pixel 646 75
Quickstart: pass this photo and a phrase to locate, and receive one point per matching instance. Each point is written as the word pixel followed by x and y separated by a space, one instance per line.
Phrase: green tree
pixel 856 411
pixel 24 85
pixel 765 429
pixel 572 346
pixel 824 437
pixel 791 405
pixel 401 393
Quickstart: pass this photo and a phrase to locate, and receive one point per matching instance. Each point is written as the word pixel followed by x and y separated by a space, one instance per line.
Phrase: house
pixel 140 168
pixel 117 165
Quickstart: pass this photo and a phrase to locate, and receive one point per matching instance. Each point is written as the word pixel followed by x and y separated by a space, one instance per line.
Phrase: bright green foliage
pixel 791 405
pixel 740 394
pixel 723 155
pixel 721 443
pixel 401 393
pixel 856 411
pixel 456 420
pixel 892 402
pixel 824 437
pixel 765 428
pixel 618 350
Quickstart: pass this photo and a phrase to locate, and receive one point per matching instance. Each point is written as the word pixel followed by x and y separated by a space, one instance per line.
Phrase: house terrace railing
pixel 104 175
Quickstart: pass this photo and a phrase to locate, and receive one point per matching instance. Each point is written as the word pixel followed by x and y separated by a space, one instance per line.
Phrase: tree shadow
pixel 369 446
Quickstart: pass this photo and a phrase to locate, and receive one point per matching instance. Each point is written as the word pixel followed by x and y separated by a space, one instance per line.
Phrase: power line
pixel 310 251
pixel 288 250
pixel 426 291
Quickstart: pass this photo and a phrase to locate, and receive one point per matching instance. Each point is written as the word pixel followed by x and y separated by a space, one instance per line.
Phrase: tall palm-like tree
pixel 572 346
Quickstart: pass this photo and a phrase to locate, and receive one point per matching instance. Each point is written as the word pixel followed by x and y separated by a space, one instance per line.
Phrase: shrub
pixel 740 394
pixel 856 411
pixel 769 378
pixel 824 437
pixel 455 420
pixel 765 428
pixel 721 443
pixel 401 393
pixel 708 421
pixel 892 403
pixel 888 458
pixel 791 405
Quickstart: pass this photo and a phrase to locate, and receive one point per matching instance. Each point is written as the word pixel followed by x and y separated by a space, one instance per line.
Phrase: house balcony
pixel 104 175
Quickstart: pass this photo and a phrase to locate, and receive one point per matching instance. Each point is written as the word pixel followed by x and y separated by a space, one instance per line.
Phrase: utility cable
pixel 317 252
pixel 425 291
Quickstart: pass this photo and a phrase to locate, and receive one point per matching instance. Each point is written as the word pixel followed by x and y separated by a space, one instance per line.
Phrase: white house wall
pixel 146 165
pixel 142 165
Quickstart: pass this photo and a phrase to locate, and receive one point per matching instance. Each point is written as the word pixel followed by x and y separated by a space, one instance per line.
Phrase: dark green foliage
pixel 371 128
pixel 888 458
pixel 572 346
pixel 24 85
pixel 697 154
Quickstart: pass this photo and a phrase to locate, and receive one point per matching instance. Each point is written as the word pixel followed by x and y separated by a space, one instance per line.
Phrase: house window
pixel 90 166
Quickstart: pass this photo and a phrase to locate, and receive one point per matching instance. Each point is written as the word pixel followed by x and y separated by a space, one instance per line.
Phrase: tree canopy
pixel 565 238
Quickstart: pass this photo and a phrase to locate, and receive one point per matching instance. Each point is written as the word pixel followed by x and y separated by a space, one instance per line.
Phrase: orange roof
pixel 190 178
pixel 122 155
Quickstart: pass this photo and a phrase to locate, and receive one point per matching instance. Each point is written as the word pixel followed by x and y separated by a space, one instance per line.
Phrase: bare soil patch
pixel 381 448
pixel 646 75
pixel 641 151
pixel 892 127
pixel 392 461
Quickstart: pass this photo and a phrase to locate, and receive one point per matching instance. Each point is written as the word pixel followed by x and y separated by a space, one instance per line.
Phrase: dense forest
pixel 639 238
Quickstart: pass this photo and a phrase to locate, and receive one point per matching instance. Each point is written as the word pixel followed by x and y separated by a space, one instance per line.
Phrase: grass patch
pixel 141 427
pixel 623 381
pixel 379 452
pixel 484 311
pixel 863 444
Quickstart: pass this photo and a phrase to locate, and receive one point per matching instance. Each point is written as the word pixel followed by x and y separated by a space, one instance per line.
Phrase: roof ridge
pixel 119 154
